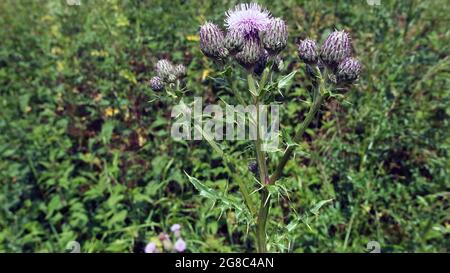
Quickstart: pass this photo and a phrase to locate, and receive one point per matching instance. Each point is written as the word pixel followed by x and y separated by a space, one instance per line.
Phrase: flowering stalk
pixel 262 167
pixel 254 39
pixel 318 99
pixel 262 221
pixel 242 187
pixel 263 176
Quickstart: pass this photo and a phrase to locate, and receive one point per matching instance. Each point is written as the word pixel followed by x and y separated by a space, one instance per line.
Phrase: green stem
pixel 233 172
pixel 242 186
pixel 263 173
pixel 298 136
pixel 262 220
pixel 265 196
pixel 262 170
pixel 264 179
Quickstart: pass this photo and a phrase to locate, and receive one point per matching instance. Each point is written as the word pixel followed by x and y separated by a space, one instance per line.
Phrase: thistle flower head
pixel 156 83
pixel 150 248
pixel 336 48
pixel 307 51
pixel 172 78
pixel 175 227
pixel 247 18
pixel 251 53
pixel 164 69
pixel 180 71
pixel 234 41
pixel 275 36
pixel 211 41
pixel 253 167
pixel 348 70
pixel 180 245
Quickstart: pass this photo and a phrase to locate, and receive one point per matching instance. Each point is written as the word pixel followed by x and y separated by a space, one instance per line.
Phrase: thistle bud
pixel 156 83
pixel 253 167
pixel 172 78
pixel 180 71
pixel 211 41
pixel 307 51
pixel 250 54
pixel 234 41
pixel 336 48
pixel 164 69
pixel 275 36
pixel 348 70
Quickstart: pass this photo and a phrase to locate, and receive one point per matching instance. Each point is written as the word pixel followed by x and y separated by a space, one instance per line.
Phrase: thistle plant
pixel 169 78
pixel 255 40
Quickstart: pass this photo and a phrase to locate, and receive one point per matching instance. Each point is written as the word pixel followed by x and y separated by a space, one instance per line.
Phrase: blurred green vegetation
pixel 86 153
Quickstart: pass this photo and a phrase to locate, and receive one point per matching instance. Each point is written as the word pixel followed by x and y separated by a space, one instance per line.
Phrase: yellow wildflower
pixel 109 112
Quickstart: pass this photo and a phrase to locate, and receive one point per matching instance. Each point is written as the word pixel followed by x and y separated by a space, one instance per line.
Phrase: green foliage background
pixel 86 153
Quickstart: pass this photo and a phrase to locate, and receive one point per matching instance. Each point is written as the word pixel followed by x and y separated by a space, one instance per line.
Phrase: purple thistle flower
pixel 251 53
pixel 180 71
pixel 348 70
pixel 180 245
pixel 151 248
pixel 247 18
pixel 176 229
pixel 164 69
pixel 156 83
pixel 275 36
pixel 336 48
pixel 234 41
pixel 307 51
pixel 211 41
pixel 253 167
